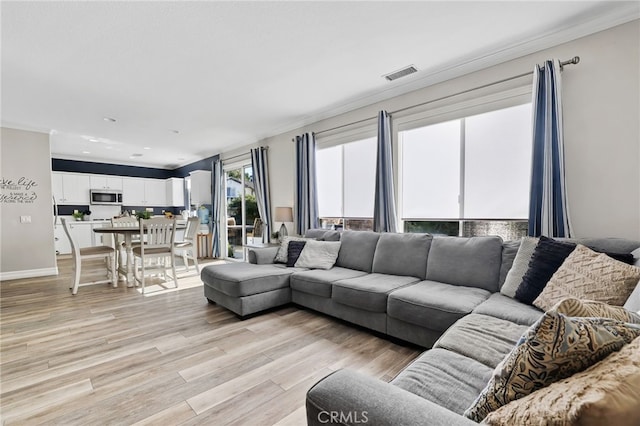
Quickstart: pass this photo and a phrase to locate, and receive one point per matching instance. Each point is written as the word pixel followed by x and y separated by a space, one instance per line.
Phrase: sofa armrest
pixel 263 255
pixel 349 398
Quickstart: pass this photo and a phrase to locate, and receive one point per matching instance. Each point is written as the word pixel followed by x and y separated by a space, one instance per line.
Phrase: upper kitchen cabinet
pixel 144 192
pixel 200 187
pixel 71 188
pixel 106 182
pixel 132 191
pixel 155 192
pixel 175 192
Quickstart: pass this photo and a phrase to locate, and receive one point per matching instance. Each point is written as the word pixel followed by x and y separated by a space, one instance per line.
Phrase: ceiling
pixel 186 80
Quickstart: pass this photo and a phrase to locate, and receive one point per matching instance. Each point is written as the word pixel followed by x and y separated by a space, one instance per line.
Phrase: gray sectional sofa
pixel 441 293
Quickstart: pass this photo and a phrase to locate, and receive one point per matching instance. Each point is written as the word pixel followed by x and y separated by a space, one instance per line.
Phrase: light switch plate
pixel 25 219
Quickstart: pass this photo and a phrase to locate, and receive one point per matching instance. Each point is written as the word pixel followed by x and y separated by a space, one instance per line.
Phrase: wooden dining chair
pixel 126 221
pixel 188 245
pixel 158 236
pixel 86 253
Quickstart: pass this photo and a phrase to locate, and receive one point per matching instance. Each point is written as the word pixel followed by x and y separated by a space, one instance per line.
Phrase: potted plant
pixel 143 215
pixel 77 215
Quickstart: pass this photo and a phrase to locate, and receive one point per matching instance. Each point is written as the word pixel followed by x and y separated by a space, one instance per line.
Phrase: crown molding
pixel 598 20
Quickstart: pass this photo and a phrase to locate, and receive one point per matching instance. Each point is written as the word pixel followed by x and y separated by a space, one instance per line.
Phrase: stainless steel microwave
pixel 106 197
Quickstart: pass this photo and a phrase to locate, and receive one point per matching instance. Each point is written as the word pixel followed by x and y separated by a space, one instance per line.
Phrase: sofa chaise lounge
pixel 441 293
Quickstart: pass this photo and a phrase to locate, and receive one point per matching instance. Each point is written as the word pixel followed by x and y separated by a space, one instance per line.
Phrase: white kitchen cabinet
pixel 71 188
pixel 132 191
pixel 200 187
pixel 106 182
pixel 144 192
pixel 175 192
pixel 155 191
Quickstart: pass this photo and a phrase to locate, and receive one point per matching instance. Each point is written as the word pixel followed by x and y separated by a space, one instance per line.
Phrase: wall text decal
pixel 18 191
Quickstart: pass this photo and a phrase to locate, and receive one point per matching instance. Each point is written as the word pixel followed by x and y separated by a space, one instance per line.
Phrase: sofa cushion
pixel 318 281
pixel 244 279
pixel 357 250
pixel 481 337
pixel 449 379
pixel 402 254
pixel 500 306
pixel 322 234
pixel 368 292
pixel 547 257
pixel 586 274
pixel 553 349
pixel 469 262
pixel 607 393
pixel 519 266
pixel 434 305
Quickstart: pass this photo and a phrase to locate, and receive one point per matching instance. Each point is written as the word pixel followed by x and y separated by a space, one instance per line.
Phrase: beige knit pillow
pixel 607 393
pixel 586 274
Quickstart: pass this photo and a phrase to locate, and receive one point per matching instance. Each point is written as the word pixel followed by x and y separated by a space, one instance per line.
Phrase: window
pixel 242 209
pixel 468 176
pixel 346 184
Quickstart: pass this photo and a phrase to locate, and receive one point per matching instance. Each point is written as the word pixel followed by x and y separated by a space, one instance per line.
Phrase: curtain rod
pixel 572 61
pixel 242 155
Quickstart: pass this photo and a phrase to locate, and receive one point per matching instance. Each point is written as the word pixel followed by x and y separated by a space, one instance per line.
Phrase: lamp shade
pixel 284 214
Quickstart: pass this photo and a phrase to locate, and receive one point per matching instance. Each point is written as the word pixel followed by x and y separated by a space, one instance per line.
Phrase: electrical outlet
pixel 25 219
pixel 150 209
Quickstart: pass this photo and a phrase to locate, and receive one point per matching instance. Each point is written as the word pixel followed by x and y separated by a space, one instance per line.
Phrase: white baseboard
pixel 29 273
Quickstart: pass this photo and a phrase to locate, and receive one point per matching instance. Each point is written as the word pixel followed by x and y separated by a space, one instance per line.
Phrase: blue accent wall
pixel 61 165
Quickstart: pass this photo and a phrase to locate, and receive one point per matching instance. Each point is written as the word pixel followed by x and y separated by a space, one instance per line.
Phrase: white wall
pixel 27 249
pixel 602 131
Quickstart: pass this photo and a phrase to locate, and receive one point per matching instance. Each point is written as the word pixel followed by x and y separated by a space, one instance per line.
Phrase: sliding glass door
pixel 242 209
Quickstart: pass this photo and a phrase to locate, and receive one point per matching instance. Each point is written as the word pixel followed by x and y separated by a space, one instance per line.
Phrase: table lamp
pixel 283 214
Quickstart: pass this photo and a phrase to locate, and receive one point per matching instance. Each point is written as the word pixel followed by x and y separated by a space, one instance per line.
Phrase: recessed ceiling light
pixel 86 152
pixel 109 119
pixel 147 147
pixel 93 140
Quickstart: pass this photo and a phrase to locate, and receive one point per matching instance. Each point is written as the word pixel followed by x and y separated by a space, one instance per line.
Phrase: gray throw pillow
pixel 318 254
pixel 519 267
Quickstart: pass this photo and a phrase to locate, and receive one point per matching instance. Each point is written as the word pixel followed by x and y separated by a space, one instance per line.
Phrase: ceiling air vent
pixel 400 73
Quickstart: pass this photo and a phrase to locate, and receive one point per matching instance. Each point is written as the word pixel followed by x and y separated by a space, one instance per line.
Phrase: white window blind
pixel 346 179
pixel 476 167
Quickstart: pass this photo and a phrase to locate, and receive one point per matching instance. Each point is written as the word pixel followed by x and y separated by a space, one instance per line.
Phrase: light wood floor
pixel 113 356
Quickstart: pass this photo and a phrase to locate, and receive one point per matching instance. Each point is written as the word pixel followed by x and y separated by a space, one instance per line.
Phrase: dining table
pixel 128 232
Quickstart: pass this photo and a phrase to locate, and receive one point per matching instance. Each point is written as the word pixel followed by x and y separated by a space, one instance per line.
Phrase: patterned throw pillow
pixel 607 393
pixel 547 257
pixel 282 254
pixel 519 266
pixel 586 274
pixel 553 348
pixel 572 307
pixel 293 252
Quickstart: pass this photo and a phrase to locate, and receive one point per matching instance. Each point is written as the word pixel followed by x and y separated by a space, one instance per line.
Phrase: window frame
pixel 341 137
pixel 448 111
